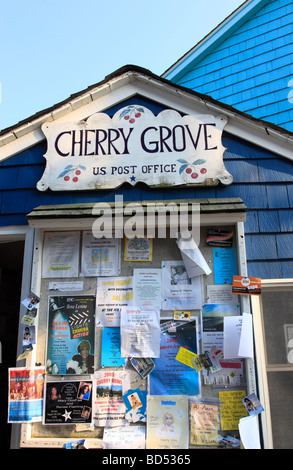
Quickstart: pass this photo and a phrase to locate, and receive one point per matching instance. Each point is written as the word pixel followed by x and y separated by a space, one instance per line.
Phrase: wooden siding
pixel 263 180
pixel 251 69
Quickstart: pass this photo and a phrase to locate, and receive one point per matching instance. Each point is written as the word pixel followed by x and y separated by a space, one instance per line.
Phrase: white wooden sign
pixel 134 146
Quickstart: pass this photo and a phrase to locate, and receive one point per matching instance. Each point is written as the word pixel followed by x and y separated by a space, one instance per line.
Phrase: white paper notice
pixel 238 336
pixel 140 332
pixel 147 287
pixel 113 293
pixel 179 292
pixel 194 261
pixel 61 254
pixel 124 437
pixel 249 432
pixel 246 338
pixel 99 256
pixel 221 294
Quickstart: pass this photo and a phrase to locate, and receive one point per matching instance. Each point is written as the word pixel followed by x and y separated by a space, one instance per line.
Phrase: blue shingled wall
pixel 263 180
pixel 252 67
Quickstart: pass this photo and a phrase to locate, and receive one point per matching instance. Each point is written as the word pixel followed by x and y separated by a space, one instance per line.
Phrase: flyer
pixel 135 402
pixel 252 404
pixel 113 293
pixel 232 409
pixel 213 324
pixel 61 254
pixel 140 332
pixel 109 406
pixel 68 402
pixel 124 437
pixel 138 249
pixel 221 294
pixel 225 265
pixel 99 256
pixel 204 423
pixel 179 292
pixel 71 335
pixel 167 422
pixel 25 394
pixel 147 284
pixel 171 377
pixel 110 354
pixel 238 337
pixel 31 301
pixel 193 259
pixel 246 285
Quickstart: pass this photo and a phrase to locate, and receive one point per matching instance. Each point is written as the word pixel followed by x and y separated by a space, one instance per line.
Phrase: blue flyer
pixel 111 348
pixel 225 265
pixel 171 377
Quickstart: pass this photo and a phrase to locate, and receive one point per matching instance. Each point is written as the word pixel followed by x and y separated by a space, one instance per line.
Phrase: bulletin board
pixel 207 395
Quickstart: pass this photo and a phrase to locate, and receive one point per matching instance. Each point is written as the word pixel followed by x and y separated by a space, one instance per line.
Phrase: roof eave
pixel 213 39
pixel 127 82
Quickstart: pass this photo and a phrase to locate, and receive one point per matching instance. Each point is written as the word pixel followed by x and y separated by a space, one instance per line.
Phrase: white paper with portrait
pixel 179 292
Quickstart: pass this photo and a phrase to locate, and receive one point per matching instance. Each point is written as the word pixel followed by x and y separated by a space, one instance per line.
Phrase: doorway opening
pixel 11 262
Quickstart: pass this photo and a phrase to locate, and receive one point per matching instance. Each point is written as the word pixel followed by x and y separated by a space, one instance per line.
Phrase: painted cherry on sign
pixel 131 112
pixel 192 169
pixel 71 172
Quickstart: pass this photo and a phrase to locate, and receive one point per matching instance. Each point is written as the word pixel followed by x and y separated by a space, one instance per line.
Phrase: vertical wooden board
pixel 290 194
pixel 13 202
pixel 254 196
pixel 287 269
pixel 28 176
pixel 267 270
pixel 277 196
pixel 8 177
pixel 285 245
pixel 261 247
pixel 243 171
pixel 251 224
pixel 286 220
pixel 268 221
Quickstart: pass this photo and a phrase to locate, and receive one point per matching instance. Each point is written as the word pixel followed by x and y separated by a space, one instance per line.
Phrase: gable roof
pixel 246 62
pixel 127 82
pixel 215 37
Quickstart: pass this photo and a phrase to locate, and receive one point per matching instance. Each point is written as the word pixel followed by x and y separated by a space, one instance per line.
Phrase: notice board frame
pixel 215 213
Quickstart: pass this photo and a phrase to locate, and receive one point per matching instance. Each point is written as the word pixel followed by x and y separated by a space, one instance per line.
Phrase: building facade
pixel 239 175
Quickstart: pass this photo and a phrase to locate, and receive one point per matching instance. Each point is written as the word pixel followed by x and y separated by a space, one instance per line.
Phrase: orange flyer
pixel 246 285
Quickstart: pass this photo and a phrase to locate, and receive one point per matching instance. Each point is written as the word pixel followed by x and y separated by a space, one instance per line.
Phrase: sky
pixel 51 49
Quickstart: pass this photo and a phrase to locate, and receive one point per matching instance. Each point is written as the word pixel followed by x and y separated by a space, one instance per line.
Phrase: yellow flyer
pixel 184 356
pixel 232 409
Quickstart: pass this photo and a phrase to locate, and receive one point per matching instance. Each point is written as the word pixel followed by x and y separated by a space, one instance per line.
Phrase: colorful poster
pixel 109 406
pixel 61 254
pixel 113 293
pixel 71 335
pixel 135 402
pixel 138 249
pixel 140 332
pixel 25 394
pixel 225 265
pixel 110 354
pixel 204 423
pixel 68 402
pixel 213 324
pixel 179 292
pixel 99 256
pixel 171 377
pixel 167 422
